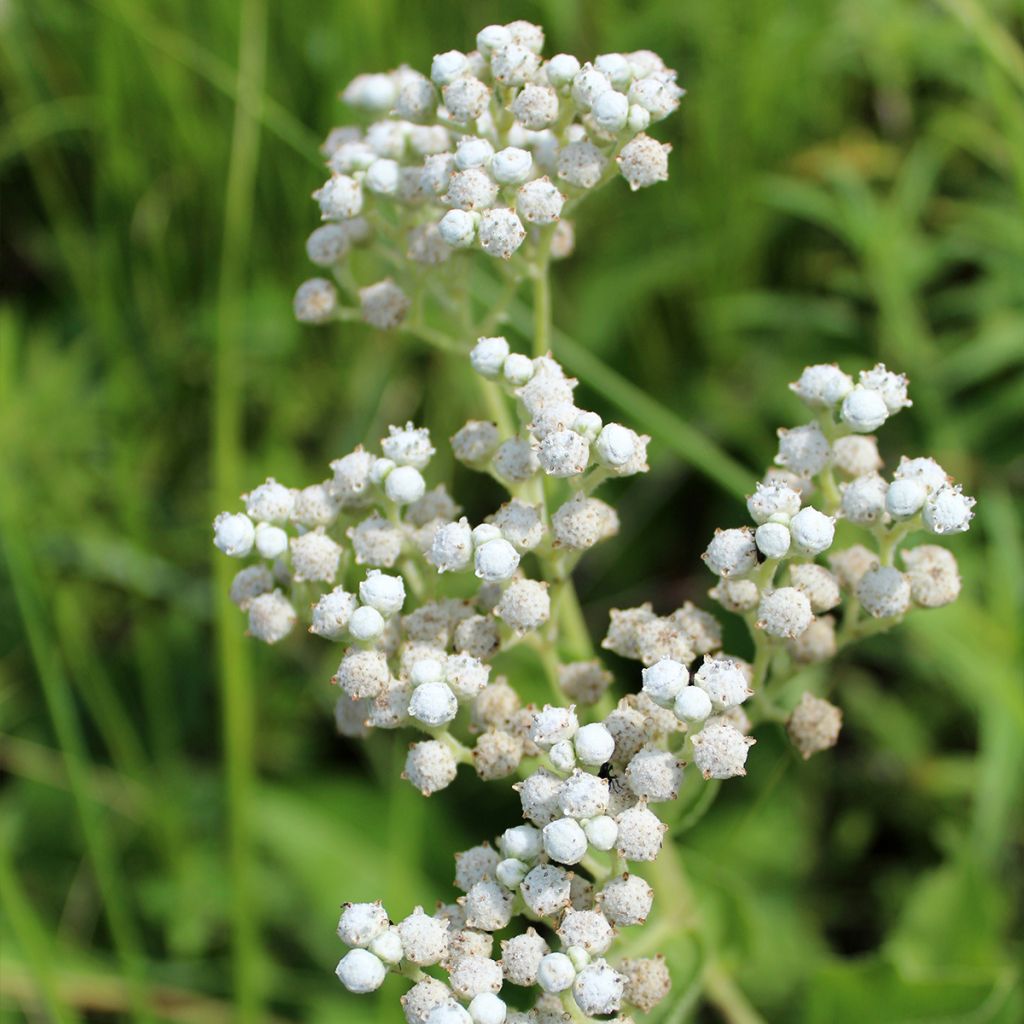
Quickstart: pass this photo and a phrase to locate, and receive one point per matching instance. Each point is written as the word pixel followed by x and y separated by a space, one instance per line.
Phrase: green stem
pixel 726 996
pixel 235 678
pixel 540 272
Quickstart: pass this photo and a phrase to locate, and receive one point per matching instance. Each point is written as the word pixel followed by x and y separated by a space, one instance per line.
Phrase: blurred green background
pixel 178 822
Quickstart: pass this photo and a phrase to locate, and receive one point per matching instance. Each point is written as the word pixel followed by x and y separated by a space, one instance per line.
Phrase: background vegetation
pixel 178 822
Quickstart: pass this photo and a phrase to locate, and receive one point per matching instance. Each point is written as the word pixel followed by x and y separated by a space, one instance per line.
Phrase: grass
pixel 177 821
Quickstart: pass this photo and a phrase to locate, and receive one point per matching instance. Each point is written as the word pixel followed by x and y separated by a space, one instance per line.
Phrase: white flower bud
pixel 561 70
pixel 925 470
pixel 472 189
pixel 602 832
pixel 501 233
pixel 511 166
pixel 525 605
pixel 564 453
pixel 449 1012
pixel 731 552
pixel 366 623
pixel 564 841
pixel 434 704
pixel 785 612
pixel 525 33
pixel 664 681
pixel 327 245
pixel 562 756
pixel 545 890
pixel 884 592
pixel 316 301
pixel 423 998
pixel 388 946
pixel 361 923
pixel 382 177
pixel 556 973
pixel 905 498
pixel 518 369
pixel 581 164
pixel 426 670
pixel 720 750
pixel 804 450
pixel 640 833
pixel 594 744
pixel 522 842
pixel 616 445
pixel 934 578
pixel 892 387
pixel 383 592
pixel 540 202
pixel 552 724
pixel 488 356
pixel 583 795
pixel 863 499
pixel 820 586
pixel 510 872
pixel 271 617
pixel 616 67
pixel 773 500
pixel 812 531
pixel 655 97
pixel 496 560
pixel 724 681
pixel 772 540
pixel 814 725
pixel 383 305
pixel 360 971
pixel 535 107
pixel 948 510
pixel 856 454
pixel 466 99
pixel 249 583
pixel 404 485
pixel 340 197
pixel 492 38
pixel 822 386
pixel 598 989
pixel 473 151
pixel 514 64
pixel 234 534
pixel 487 1008
pixel 693 704
pixel 408 446
pixel 376 92
pixel 430 766
pixel 424 938
pixel 331 614
pixel 643 161
pixel 626 900
pixel 864 410
pixel 446 67
pixel 610 112
pixel 655 775
pixel 458 228
pixel 452 547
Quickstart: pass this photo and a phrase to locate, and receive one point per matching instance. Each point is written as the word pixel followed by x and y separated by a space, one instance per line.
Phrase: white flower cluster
pixel 828 471
pixel 425 666
pixel 489 151
pixel 589 790
pixel 592 799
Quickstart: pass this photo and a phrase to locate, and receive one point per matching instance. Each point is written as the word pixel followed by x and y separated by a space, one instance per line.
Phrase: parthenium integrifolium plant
pixel 424 604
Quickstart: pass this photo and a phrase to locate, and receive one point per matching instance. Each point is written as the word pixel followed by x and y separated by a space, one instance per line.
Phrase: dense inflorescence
pixel 590 774
pixel 492 151
pixel 424 604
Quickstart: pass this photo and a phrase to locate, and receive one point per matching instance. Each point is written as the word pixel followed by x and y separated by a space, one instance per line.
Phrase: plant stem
pixel 540 270
pixel 235 678
pixel 726 996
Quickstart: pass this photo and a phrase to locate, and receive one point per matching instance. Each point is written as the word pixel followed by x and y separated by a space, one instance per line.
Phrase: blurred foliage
pixel 177 821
